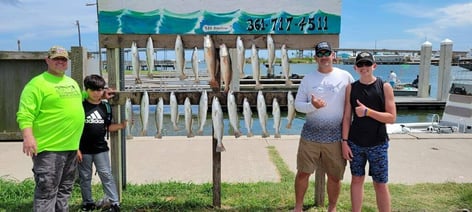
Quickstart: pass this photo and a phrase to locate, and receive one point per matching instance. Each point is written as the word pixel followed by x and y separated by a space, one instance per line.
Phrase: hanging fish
pixel 240 54
pixel 180 57
pixel 247 117
pixel 262 113
pixel 129 117
pixel 271 56
pixel 159 117
pixel 225 67
pixel 218 125
pixel 276 117
pixel 290 109
pixel 195 64
pixel 285 65
pixel 144 110
pixel 188 117
pixel 202 111
pixel 135 63
pixel 233 113
pixel 210 60
pixel 174 111
pixel 256 69
pixel 150 56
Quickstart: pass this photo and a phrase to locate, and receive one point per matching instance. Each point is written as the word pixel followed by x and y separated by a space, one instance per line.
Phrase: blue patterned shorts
pixel 378 161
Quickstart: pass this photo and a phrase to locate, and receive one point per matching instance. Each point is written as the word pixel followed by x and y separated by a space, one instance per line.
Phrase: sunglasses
pixel 62 59
pixel 364 63
pixel 323 54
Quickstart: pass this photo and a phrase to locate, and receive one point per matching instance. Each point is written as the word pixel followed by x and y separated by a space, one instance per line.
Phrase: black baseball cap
pixel 323 45
pixel 365 56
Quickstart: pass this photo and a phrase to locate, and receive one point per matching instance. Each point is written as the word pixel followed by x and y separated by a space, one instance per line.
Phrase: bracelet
pixel 345 140
pixel 365 112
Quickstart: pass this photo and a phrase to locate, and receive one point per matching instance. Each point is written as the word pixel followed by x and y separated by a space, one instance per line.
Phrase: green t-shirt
pixel 52 106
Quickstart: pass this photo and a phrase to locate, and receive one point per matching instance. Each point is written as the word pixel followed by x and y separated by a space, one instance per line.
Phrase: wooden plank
pixel 320 184
pixel 190 41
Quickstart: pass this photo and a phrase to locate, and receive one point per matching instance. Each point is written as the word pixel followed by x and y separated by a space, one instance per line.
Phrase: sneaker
pixel 88 206
pixel 114 208
pixel 103 204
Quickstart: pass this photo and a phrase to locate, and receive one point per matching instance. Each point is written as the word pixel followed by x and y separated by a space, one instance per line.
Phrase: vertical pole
pixel 444 78
pixel 113 67
pixel 78 68
pixel 320 184
pixel 216 155
pixel 425 66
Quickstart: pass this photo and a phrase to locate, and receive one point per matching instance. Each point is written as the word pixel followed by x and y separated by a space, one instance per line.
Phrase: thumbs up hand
pixel 317 102
pixel 361 109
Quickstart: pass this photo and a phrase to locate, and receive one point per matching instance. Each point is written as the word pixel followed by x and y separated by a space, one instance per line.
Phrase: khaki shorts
pixel 312 155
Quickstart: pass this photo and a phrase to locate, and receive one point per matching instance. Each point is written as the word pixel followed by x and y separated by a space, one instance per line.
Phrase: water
pixel 405 73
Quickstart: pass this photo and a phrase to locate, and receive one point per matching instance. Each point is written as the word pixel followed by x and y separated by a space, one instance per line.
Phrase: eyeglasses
pixel 364 63
pixel 323 54
pixel 62 59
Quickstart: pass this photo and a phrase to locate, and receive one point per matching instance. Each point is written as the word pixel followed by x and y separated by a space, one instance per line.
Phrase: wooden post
pixel 320 185
pixel 216 173
pixel 113 69
pixel 425 64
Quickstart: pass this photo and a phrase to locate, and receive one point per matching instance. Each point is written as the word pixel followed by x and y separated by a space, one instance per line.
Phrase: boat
pixel 466 63
pixel 457 115
pixel 405 89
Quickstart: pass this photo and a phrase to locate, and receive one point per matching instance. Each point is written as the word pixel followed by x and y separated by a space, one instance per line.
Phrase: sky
pixel 379 24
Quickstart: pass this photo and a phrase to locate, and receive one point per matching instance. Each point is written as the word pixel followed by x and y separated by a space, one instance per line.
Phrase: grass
pixel 261 196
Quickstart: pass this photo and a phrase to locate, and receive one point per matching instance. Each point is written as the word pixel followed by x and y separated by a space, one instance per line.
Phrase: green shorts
pixel 329 156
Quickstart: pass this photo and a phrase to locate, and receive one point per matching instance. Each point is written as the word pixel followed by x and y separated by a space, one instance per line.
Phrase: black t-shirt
pixel 366 131
pixel 93 137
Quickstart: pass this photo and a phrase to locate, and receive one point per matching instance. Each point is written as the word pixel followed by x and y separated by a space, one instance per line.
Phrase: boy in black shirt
pixel 93 146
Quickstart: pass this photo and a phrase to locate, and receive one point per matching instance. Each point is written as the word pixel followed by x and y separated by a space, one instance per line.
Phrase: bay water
pixel 405 73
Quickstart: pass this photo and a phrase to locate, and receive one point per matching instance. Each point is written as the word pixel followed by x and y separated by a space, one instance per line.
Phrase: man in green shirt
pixel 51 117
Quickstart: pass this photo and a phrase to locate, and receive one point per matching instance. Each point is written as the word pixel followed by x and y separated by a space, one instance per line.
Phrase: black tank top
pixel 366 131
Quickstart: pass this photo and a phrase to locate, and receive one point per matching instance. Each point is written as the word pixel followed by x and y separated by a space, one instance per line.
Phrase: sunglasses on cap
pixel 323 54
pixel 364 63
pixel 62 59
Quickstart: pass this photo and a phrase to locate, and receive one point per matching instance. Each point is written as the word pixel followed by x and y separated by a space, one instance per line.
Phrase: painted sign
pixel 219 17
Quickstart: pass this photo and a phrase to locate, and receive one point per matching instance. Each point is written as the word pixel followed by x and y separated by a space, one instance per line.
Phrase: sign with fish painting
pixel 312 17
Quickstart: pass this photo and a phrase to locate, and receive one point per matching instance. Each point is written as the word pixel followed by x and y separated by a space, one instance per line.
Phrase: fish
pixel 218 124
pixel 256 68
pixel 129 118
pixel 210 60
pixel 276 117
pixel 262 113
pixel 240 54
pixel 188 117
pixel 144 109
pixel 195 64
pixel 174 110
pixel 285 65
pixel 290 109
pixel 225 66
pixel 271 55
pixel 180 57
pixel 233 113
pixel 135 62
pixel 202 111
pixel 247 113
pixel 150 56
pixel 159 117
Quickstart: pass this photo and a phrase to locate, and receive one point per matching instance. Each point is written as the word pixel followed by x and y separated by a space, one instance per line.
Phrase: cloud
pixel 439 20
pixel 10 2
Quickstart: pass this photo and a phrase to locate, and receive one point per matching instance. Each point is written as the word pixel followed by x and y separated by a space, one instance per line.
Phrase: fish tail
pixel 220 148
pixel 250 134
